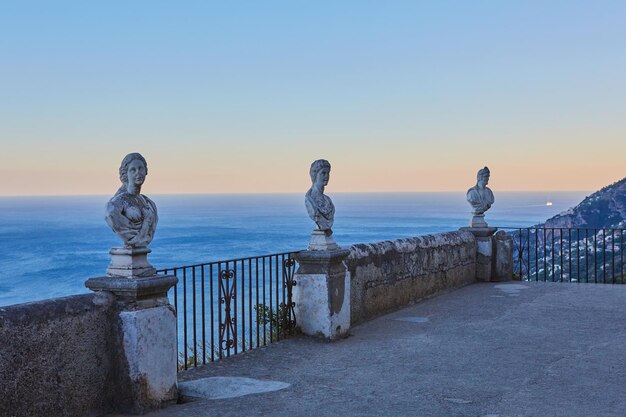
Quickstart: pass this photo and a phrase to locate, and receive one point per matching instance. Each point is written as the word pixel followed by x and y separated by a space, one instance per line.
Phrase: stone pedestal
pixel 130 262
pixel 146 330
pixel 485 269
pixel 478 222
pixel 133 293
pixel 322 296
pixel 321 241
pixel 503 256
pixel 150 355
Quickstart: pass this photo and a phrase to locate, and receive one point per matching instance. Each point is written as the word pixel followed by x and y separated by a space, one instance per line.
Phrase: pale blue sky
pixel 242 96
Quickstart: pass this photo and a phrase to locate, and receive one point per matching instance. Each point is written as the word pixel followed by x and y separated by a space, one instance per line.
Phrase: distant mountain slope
pixel 603 209
pixel 579 245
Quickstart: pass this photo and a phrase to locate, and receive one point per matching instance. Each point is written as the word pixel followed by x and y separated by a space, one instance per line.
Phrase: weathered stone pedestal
pixel 503 256
pixel 494 254
pixel 130 263
pixel 478 222
pixel 484 251
pixel 322 295
pixel 146 329
pixel 322 241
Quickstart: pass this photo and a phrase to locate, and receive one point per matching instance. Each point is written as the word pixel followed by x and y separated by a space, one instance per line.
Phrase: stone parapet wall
pixel 57 357
pixel 388 275
pixel 85 355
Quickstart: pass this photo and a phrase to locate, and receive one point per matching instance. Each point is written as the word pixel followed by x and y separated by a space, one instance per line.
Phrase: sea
pixel 49 246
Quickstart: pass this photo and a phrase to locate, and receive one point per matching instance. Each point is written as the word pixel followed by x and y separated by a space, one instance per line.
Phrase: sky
pixel 241 96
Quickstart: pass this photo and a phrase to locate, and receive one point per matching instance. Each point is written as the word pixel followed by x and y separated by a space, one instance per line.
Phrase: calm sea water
pixel 50 245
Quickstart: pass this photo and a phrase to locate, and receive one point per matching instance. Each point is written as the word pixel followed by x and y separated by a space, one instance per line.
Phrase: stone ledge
pixel 388 275
pixel 321 262
pixel 133 288
pixel 46 310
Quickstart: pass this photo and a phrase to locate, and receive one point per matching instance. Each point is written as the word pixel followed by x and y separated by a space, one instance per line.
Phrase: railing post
pixel 322 295
pixel 145 329
pixel 144 323
pixel 494 254
pixel 484 251
pixel 503 257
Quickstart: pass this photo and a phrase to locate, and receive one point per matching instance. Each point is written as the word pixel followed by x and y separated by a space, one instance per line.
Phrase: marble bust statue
pixel 319 206
pixel 480 197
pixel 132 215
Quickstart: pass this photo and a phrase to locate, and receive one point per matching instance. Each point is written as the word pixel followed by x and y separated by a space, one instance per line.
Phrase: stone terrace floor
pixel 509 349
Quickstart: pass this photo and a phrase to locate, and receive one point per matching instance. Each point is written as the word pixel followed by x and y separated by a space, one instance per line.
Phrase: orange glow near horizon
pixel 359 164
pixel 165 178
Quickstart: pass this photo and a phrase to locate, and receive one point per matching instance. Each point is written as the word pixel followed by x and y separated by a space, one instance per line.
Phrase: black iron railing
pixel 569 255
pixel 227 307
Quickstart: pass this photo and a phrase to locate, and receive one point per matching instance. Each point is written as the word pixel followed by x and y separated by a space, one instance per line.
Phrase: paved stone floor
pixel 507 349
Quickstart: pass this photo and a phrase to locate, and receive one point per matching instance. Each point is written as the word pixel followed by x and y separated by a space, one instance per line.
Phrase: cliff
pixel 603 209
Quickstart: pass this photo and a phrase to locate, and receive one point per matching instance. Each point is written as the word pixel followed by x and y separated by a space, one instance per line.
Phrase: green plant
pixel 274 324
pixel 277 321
pixel 190 360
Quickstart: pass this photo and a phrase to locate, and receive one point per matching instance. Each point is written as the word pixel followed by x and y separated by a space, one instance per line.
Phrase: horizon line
pixel 293 192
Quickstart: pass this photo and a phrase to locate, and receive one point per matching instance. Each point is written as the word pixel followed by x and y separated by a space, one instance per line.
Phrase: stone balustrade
pixel 85 355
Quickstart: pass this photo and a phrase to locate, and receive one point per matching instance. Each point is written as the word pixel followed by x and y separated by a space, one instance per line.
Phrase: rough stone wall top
pixel 55 358
pixel 362 252
pixel 388 275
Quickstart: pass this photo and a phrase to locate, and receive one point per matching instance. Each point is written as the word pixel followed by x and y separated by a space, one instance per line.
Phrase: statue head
pixel 133 169
pixel 482 178
pixel 320 172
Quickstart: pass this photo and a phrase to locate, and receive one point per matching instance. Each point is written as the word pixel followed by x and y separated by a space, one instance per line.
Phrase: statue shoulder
pixel 308 202
pixel 330 203
pixel 150 202
pixel 116 202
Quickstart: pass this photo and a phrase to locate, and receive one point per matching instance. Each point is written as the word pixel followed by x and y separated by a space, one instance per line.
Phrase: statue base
pixel 130 263
pixel 322 296
pixel 503 257
pixel 321 241
pixel 481 231
pixel 145 333
pixel 478 222
pixel 484 252
pixel 132 280
pixel 143 292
